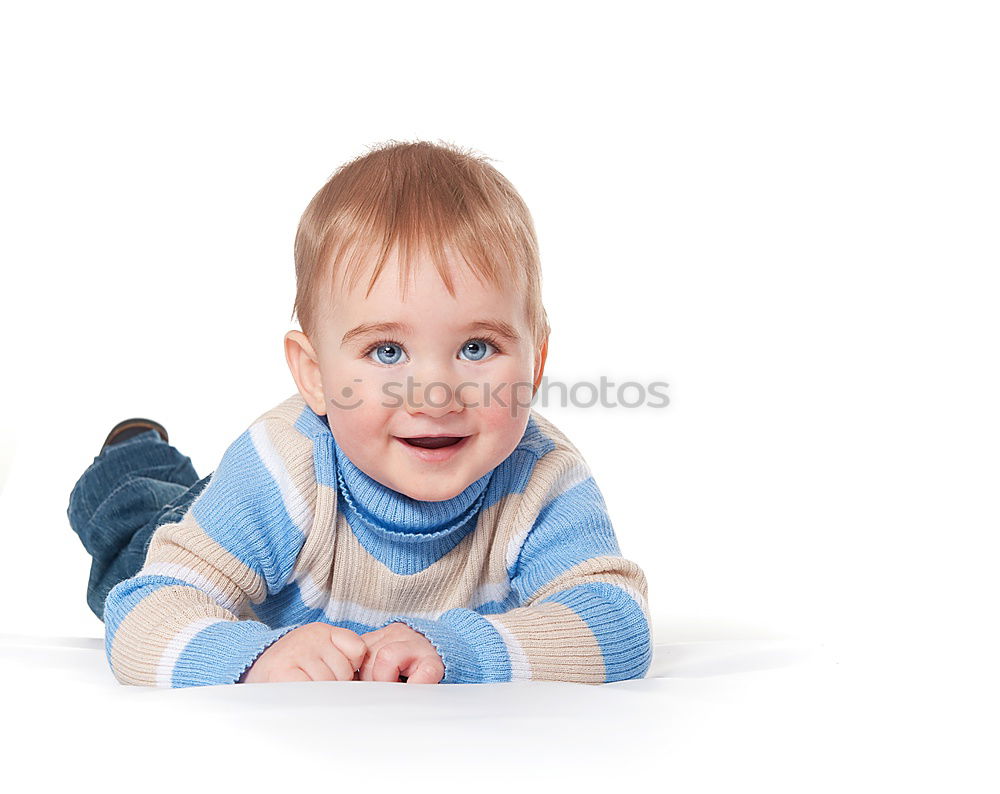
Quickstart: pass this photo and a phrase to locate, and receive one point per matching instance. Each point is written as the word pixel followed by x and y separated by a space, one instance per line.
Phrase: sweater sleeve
pixel 178 621
pixel 580 609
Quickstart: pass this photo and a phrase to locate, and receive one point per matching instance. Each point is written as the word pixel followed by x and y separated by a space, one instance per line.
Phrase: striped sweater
pixel 518 577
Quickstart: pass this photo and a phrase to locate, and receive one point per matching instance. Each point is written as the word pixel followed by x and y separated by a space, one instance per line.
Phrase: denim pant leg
pixel 129 490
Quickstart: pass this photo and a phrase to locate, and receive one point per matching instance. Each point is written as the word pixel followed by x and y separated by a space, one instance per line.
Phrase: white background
pixel 787 211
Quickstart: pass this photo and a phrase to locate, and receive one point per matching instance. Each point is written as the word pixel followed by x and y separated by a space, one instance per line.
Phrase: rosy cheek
pixel 385 392
pixel 497 420
pixel 509 403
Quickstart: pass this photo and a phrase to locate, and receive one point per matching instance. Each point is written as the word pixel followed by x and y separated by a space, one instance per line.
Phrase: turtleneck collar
pixel 394 516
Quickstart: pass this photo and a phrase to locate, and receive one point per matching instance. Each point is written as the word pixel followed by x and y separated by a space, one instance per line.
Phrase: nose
pixel 433 391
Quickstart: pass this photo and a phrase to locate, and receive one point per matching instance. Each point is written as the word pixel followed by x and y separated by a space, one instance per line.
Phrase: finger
pixel 385 633
pixel 371 636
pixel 350 645
pixel 428 671
pixel 368 663
pixel 390 659
pixel 342 667
pixel 288 674
pixel 316 668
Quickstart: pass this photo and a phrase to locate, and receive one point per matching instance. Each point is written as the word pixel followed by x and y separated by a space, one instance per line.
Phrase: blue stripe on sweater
pixel 123 597
pixel 572 528
pixel 242 509
pixel 618 624
pixel 310 423
pixel 287 607
pixel 220 652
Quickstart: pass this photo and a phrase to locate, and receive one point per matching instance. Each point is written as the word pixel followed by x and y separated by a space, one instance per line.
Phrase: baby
pixel 406 515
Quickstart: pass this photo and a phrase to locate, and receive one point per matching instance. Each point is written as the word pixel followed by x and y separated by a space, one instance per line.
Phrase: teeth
pixel 433 443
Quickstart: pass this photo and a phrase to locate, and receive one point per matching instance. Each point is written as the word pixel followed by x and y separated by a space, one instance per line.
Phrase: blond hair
pixel 420 197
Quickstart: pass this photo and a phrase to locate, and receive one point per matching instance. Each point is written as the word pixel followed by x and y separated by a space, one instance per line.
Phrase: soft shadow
pixel 28 641
pixel 726 657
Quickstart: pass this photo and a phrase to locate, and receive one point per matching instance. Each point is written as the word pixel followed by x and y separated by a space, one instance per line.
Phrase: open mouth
pixel 433 442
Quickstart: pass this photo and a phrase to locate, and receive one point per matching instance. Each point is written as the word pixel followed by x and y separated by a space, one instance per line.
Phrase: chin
pixel 434 494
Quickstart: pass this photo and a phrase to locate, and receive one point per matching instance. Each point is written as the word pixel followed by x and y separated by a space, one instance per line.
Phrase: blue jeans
pixel 129 490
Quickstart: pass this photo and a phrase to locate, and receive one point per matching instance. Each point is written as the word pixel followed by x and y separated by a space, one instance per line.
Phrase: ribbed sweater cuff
pixel 222 651
pixel 471 648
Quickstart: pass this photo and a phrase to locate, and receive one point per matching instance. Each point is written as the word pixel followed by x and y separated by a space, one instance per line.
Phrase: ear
pixel 540 364
pixel 304 365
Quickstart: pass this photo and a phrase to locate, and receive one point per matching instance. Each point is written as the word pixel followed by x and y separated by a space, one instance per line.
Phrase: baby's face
pixel 438 371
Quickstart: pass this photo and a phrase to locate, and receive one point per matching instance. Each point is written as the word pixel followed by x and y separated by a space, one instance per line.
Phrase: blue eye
pixel 387 353
pixel 476 349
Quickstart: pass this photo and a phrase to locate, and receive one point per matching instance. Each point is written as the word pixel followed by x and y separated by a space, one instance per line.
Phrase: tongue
pixel 433 443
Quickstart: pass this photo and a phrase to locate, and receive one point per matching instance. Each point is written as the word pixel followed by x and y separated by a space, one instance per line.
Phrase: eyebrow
pixel 498 327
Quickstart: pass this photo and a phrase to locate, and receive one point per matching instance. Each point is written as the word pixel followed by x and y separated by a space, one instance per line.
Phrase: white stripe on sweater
pixel 520 666
pixel 192 577
pixel 295 503
pixel 489 591
pixel 176 646
pixel 352 610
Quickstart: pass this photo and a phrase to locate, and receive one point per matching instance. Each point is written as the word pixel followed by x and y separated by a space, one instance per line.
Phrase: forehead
pixel 422 297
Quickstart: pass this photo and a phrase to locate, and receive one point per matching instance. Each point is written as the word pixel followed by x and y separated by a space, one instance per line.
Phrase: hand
pixel 396 650
pixel 313 652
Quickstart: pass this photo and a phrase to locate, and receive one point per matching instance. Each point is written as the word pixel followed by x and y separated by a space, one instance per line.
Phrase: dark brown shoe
pixel 132 427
